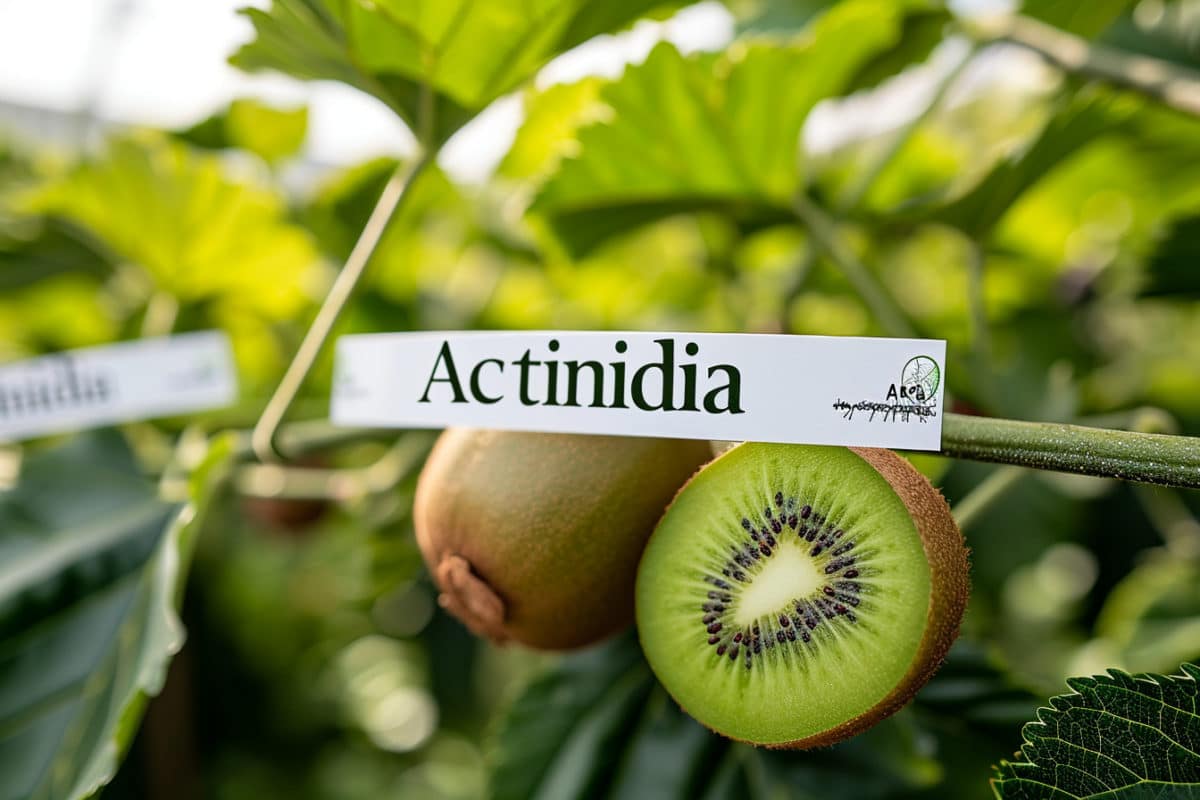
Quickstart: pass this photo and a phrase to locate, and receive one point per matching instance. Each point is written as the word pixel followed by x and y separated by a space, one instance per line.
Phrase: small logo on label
pixel 913 397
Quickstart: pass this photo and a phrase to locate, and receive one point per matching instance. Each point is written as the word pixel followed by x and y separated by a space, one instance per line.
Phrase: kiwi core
pixel 792 573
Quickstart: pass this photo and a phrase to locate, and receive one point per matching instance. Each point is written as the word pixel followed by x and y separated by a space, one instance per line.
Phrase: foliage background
pixel 1048 228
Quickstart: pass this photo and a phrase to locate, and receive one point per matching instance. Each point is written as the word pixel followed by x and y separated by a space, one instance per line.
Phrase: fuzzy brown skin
pixel 536 537
pixel 950 587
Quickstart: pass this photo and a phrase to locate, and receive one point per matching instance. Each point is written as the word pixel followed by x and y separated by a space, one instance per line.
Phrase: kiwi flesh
pixel 535 537
pixel 794 595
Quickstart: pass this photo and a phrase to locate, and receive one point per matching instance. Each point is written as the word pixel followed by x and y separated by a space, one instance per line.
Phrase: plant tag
pixel 121 382
pixel 742 387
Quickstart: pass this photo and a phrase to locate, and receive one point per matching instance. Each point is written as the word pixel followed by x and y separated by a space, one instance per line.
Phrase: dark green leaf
pixel 669 756
pixel 561 736
pixel 434 64
pixel 89 564
pixel 1086 19
pixel 53 250
pixel 971 688
pixel 1174 269
pixel 1173 34
pixel 708 131
pixel 1116 736
pixel 889 760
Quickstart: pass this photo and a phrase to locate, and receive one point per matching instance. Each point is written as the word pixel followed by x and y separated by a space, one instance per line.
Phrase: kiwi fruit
pixel 793 595
pixel 535 537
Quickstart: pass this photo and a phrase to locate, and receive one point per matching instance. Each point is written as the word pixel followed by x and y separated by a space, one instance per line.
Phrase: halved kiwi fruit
pixel 536 537
pixel 794 595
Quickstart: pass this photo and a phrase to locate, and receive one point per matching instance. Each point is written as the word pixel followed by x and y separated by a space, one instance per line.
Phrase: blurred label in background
pixel 744 387
pixel 116 383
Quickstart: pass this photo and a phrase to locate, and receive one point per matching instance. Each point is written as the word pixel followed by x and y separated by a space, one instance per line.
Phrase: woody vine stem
pixel 1167 460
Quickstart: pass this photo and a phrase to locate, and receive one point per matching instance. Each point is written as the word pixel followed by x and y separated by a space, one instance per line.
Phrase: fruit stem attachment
pixel 263 439
pixel 471 599
pixel 1128 455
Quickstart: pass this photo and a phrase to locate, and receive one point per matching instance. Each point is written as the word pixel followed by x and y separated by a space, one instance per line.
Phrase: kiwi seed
pixel 793 596
pixel 536 537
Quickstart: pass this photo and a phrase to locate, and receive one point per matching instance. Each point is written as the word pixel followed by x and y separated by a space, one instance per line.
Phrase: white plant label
pixel 740 387
pixel 121 382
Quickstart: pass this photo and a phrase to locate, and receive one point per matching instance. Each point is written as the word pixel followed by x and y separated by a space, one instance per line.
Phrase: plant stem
pixel 902 135
pixel 980 337
pixel 824 234
pixel 1160 80
pixel 1170 516
pixel 1156 458
pixel 393 194
pixel 1140 457
pixel 985 494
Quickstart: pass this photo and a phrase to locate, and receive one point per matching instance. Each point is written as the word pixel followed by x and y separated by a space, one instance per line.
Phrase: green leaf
pixel 434 64
pixel 89 565
pixel 924 25
pixel 559 737
pixel 52 250
pixel 547 134
pixel 1072 125
pixel 1085 19
pixel 198 233
pixel 598 726
pixel 886 761
pixel 670 755
pixel 1116 736
pixel 708 131
pixel 1174 268
pixel 971 688
pixel 274 134
pixel 1172 34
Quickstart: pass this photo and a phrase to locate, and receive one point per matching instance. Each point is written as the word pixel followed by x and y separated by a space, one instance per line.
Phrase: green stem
pixel 1155 458
pixel 263 439
pixel 980 337
pixel 1159 80
pixel 985 495
pixel 1140 457
pixel 824 234
pixel 903 135
pixel 1172 519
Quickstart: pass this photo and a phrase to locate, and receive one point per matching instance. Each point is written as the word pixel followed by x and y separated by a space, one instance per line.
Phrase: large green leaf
pixel 1117 736
pixel 199 233
pixel 596 725
pixel 89 565
pixel 558 739
pixel 709 131
pixel 434 63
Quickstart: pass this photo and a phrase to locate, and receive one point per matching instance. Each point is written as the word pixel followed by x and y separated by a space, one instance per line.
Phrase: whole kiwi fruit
pixel 535 537
pixel 794 595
